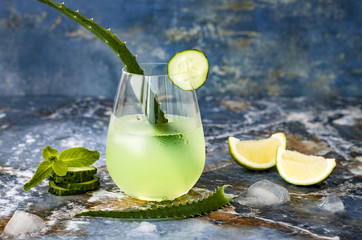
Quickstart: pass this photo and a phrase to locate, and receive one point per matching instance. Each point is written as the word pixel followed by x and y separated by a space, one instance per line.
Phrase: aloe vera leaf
pixel 153 106
pixel 215 201
pixel 119 47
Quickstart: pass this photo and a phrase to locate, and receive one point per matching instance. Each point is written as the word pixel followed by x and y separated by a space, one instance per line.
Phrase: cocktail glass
pixel 154 161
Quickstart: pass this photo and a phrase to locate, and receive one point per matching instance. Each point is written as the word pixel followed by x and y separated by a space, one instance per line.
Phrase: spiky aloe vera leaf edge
pixel 119 47
pixel 215 201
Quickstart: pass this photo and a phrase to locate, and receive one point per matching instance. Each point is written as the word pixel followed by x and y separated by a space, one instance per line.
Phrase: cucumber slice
pixel 188 69
pixel 86 186
pixel 54 189
pixel 75 175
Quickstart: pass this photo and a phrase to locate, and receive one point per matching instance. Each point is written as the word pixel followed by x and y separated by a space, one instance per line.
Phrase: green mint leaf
pixel 44 169
pixel 50 154
pixel 78 157
pixel 60 167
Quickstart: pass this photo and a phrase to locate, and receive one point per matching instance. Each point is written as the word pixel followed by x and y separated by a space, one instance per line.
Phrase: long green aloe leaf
pixel 119 47
pixel 206 205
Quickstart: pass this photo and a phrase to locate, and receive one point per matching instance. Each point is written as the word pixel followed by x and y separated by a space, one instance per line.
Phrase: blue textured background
pixel 255 48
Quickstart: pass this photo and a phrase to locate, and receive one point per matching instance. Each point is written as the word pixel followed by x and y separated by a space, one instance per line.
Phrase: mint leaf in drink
pixel 50 154
pixel 44 169
pixel 79 157
pixel 60 167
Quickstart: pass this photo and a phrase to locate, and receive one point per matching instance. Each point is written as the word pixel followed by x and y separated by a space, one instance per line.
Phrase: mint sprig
pixel 44 169
pixel 78 157
pixel 72 157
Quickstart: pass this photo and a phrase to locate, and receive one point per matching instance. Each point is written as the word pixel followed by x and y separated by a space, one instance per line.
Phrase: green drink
pixel 155 144
pixel 155 162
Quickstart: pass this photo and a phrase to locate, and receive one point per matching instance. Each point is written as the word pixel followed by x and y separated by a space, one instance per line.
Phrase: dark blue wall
pixel 255 48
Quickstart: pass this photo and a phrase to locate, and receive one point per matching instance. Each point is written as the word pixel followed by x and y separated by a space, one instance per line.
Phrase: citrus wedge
pixel 299 169
pixel 188 69
pixel 257 154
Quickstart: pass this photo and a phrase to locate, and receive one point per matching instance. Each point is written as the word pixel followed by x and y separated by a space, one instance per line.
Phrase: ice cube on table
pixel 22 223
pixel 264 193
pixel 331 203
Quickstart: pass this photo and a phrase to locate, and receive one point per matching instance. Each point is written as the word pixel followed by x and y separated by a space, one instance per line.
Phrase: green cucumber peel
pixel 75 175
pixel 87 186
pixel 72 157
pixel 60 191
pixel 215 201
pixel 155 115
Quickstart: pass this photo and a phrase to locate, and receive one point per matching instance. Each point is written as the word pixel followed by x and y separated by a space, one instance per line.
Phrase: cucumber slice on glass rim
pixel 188 69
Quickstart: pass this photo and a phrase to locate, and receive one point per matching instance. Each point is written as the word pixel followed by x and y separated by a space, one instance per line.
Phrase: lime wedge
pixel 188 69
pixel 299 169
pixel 256 154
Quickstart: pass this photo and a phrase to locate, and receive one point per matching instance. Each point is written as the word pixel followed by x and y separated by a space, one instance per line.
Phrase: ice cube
pixel 22 223
pixel 264 193
pixel 145 230
pixel 331 203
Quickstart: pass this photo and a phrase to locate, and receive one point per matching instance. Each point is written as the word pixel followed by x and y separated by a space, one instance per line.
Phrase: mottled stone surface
pixel 330 128
pixel 255 47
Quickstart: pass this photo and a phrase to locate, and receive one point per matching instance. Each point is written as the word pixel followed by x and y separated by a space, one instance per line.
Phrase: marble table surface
pixel 330 127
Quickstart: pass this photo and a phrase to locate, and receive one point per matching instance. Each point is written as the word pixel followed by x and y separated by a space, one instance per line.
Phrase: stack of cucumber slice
pixel 77 180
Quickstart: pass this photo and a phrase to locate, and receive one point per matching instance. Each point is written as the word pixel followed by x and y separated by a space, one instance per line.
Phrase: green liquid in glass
pixel 155 162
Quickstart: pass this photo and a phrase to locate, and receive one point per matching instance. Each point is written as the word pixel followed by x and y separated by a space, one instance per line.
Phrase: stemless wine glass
pixel 153 160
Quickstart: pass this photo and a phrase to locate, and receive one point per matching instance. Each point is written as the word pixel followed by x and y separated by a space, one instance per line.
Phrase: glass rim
pixel 142 65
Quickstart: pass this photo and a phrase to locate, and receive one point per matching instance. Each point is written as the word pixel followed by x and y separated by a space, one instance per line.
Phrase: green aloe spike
pixel 155 115
pixel 215 201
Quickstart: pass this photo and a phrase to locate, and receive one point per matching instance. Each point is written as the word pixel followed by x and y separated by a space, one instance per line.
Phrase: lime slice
pixel 188 69
pixel 257 154
pixel 299 169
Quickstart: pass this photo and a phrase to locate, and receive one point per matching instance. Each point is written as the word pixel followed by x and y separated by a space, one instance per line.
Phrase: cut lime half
pixel 256 154
pixel 300 169
pixel 188 69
